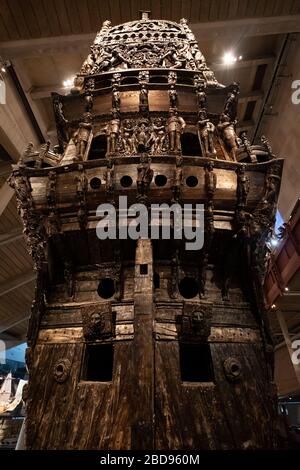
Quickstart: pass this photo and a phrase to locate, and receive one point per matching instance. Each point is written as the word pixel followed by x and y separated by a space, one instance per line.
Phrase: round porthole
pixel 61 370
pixel 188 287
pixel 106 288
pixel 95 183
pixel 232 368
pixel 160 180
pixel 191 181
pixel 126 181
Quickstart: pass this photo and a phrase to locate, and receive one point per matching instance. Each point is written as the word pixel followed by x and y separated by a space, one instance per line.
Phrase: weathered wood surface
pixel 169 118
pixel 213 416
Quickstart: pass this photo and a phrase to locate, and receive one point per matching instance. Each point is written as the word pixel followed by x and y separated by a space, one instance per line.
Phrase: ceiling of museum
pixel 46 18
pixel 46 41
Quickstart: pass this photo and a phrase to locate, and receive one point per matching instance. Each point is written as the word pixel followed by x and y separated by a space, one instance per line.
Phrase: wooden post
pixel 143 348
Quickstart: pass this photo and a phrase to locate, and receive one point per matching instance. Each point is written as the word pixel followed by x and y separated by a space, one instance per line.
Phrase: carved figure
pixel 210 180
pixel 173 97
pixel 112 133
pixel 42 154
pixel 201 95
pixel 128 139
pixel 175 127
pixel 172 77
pixel 158 137
pixel 144 176
pixel 116 102
pixel 206 131
pixel 143 76
pixel 81 136
pixel 243 186
pixel 144 104
pixel 177 181
pixel 227 130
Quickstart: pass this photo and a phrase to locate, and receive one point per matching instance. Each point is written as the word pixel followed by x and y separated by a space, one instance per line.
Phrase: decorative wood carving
pixel 97 321
pixel 139 107
pixel 195 321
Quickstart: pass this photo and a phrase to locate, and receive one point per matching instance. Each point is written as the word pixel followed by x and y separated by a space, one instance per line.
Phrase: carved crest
pixel 97 321
pixel 196 320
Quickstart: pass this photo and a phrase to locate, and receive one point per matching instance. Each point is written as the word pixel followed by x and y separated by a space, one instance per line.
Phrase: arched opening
pixel 191 181
pixel 188 287
pixel 126 181
pixel 106 288
pixel 98 148
pixel 95 183
pixel 160 180
pixel 190 144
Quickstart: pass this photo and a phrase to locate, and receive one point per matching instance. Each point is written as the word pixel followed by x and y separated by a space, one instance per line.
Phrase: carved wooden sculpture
pixel 140 344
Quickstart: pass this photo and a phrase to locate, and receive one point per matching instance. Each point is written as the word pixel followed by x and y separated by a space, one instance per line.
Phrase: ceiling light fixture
pixel 68 83
pixel 3 69
pixel 229 58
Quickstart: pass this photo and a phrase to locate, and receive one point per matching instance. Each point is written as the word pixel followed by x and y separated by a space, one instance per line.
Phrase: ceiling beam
pixel 15 127
pixel 12 340
pixel 11 236
pixel 41 92
pixel 16 282
pixel 14 323
pixel 210 30
pixel 243 63
pixel 6 193
pixel 5 169
pixel 246 27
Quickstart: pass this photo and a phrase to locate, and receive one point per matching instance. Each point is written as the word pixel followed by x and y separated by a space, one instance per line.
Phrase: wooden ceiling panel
pixel 30 15
pixel 9 218
pixel 74 16
pixel 63 17
pixel 15 7
pixel 43 18
pixel 19 331
pixel 41 72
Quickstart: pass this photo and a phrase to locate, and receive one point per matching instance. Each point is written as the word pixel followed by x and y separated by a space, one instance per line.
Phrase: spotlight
pixel 240 57
pixel 273 306
pixel 68 83
pixel 229 58
pixel 286 289
pixel 3 69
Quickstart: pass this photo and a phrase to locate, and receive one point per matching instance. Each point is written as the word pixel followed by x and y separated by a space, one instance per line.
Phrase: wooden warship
pixel 141 344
